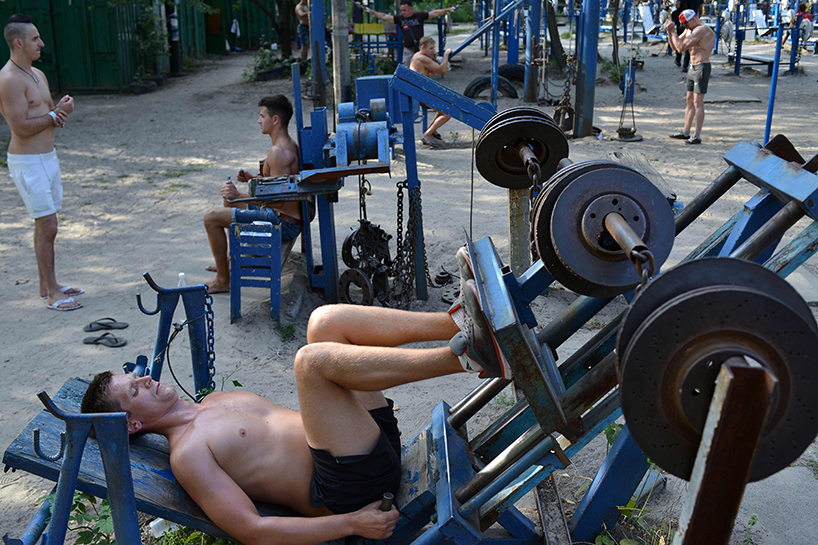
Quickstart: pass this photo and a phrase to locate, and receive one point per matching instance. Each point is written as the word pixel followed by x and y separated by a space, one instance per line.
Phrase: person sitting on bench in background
pixel 425 62
pixel 333 461
pixel 282 160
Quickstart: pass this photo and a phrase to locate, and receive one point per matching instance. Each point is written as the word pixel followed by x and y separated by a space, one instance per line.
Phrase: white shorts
pixel 37 177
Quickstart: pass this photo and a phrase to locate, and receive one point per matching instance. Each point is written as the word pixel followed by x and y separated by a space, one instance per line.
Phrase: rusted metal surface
pixel 497 154
pixel 735 425
pixel 587 260
pixel 669 367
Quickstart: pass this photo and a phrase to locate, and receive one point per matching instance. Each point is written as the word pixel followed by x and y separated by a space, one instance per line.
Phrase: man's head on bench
pixel 273 107
pixel 142 398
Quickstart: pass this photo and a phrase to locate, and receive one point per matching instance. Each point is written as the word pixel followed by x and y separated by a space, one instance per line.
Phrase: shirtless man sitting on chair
pixel 282 159
pixel 331 462
pixel 425 62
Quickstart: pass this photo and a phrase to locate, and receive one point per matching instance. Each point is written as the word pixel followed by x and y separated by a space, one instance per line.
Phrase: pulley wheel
pixel 570 234
pixel 701 273
pixel 672 361
pixel 355 277
pixel 498 160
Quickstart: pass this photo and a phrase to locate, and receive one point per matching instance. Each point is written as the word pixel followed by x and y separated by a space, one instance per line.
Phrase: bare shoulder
pixel 10 83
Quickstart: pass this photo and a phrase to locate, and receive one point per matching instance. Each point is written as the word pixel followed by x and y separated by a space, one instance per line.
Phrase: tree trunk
pixel 285 34
pixel 554 33
pixel 614 36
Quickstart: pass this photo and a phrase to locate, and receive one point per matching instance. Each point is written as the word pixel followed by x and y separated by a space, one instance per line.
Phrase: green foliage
pixel 504 399
pixel 151 39
pixel 750 524
pixel 266 59
pixel 4 146
pixel 614 72
pixel 206 391
pixel 611 433
pixel 287 332
pixel 92 522
pixel 186 536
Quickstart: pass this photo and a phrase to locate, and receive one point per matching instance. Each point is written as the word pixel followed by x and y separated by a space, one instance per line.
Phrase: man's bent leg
pixel 377 326
pixel 438 122
pixel 216 220
pixel 326 373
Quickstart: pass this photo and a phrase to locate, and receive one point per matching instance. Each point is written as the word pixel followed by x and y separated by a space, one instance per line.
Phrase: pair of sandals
pixel 435 143
pixel 106 339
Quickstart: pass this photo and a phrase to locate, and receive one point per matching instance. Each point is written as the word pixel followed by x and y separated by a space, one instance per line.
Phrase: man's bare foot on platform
pixel 217 286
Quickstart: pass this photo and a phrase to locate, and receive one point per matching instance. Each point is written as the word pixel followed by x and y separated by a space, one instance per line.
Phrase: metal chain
pixel 211 342
pixel 416 211
pixel 639 259
pixel 364 189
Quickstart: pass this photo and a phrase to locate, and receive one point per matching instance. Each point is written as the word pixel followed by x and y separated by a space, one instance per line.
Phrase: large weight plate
pixel 671 363
pixel 725 271
pixel 498 160
pixel 609 273
pixel 519 111
pixel 543 209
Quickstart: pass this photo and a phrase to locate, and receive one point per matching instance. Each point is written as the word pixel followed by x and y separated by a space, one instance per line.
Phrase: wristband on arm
pixel 53 115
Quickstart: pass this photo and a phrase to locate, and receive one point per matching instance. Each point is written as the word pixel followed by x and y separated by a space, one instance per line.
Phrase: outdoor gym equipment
pixel 460 482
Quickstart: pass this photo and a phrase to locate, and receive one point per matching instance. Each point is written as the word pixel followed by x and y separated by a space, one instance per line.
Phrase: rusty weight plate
pixel 671 363
pixel 518 111
pixel 544 208
pixel 589 261
pixel 701 273
pixel 498 160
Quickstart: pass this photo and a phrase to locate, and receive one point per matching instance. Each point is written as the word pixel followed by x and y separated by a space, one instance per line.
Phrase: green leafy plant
pixel 287 332
pixel 92 521
pixel 504 399
pixel 611 433
pixel 187 536
pixel 750 525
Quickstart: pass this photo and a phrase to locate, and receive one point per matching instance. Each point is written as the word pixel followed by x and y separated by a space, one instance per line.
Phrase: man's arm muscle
pixel 691 39
pixel 232 510
pixel 15 108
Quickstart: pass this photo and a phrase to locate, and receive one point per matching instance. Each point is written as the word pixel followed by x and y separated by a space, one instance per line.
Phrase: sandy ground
pixel 139 172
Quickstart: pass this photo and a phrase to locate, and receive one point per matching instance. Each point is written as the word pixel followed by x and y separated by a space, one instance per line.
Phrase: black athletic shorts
pixel 347 483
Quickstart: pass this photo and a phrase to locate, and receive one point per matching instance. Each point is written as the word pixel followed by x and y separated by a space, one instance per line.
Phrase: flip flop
pixel 106 339
pixel 437 135
pixel 104 323
pixel 56 306
pixel 66 289
pixel 434 144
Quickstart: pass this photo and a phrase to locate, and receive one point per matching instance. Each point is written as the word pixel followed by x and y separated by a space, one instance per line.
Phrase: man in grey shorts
pixel 26 104
pixel 699 39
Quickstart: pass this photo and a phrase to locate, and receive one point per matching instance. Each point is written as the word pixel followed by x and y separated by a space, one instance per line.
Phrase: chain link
pixel 639 259
pixel 211 342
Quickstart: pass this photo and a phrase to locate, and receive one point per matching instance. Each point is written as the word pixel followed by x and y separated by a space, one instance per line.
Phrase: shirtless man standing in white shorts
pixel 26 104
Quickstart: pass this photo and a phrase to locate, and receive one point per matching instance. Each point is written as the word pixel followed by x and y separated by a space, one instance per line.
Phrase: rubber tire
pixel 514 72
pixel 504 87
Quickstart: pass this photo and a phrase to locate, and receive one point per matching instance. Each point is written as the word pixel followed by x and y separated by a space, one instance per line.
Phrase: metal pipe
pixel 703 200
pixel 35 528
pixel 769 232
pixel 774 83
pixel 540 450
pixel 476 400
pixel 500 463
pixel 532 43
pixel 586 80
pixel 486 26
pixel 623 234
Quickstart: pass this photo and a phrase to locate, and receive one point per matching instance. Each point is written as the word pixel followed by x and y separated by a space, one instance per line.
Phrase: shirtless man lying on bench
pixel 331 462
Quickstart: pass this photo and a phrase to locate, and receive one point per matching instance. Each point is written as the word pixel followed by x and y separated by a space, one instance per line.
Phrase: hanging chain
pixel 364 189
pixel 412 228
pixel 639 259
pixel 211 342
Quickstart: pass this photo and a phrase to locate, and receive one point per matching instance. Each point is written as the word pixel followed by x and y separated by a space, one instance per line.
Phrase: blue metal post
pixel 774 83
pixel 532 42
pixel 583 124
pixel 513 38
pixel 611 488
pixel 495 54
pixel 195 310
pixel 319 60
pixel 626 11
pixel 795 40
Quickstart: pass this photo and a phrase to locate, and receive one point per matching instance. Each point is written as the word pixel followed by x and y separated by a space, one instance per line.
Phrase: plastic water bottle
pixel 182 283
pixel 160 526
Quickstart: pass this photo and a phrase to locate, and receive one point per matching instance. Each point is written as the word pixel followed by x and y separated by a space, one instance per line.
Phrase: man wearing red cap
pixel 699 39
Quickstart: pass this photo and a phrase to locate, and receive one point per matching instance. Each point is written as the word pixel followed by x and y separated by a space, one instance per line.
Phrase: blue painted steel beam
pixel 787 181
pixel 586 70
pixel 532 41
pixel 441 98
pixel 760 208
pixel 612 487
